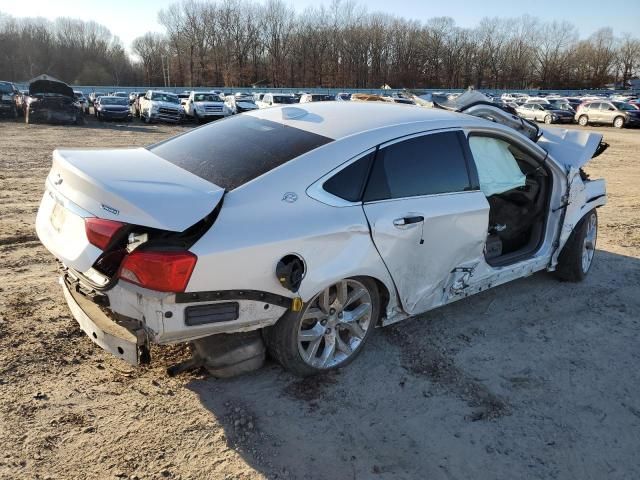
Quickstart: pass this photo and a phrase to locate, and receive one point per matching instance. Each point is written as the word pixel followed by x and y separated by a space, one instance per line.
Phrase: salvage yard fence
pixel 87 89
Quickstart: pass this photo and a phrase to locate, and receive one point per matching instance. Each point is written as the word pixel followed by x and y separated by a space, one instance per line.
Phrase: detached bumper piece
pixel 128 343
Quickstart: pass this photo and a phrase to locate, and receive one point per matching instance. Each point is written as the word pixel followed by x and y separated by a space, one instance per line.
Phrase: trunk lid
pixel 132 186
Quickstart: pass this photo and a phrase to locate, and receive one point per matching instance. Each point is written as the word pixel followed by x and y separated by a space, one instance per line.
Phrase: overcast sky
pixel 130 18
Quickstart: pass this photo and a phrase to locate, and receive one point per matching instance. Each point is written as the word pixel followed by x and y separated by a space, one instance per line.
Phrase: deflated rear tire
pixel 577 255
pixel 330 330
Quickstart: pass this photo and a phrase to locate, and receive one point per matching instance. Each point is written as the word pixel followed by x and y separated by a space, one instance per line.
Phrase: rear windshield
pixel 236 150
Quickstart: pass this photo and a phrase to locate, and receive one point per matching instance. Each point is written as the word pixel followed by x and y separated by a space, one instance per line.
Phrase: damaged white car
pixel 309 226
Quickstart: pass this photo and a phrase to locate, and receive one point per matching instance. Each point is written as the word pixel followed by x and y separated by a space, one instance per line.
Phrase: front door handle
pixel 401 222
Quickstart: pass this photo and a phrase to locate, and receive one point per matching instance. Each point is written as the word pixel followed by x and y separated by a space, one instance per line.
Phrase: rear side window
pixel 236 150
pixel 425 165
pixel 349 182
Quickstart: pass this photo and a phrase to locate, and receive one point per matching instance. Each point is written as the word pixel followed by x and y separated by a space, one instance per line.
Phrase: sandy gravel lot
pixel 535 379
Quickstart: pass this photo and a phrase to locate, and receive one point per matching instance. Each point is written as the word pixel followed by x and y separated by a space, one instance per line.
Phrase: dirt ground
pixel 534 379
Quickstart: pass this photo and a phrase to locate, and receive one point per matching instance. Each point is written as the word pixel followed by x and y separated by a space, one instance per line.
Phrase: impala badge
pixel 110 209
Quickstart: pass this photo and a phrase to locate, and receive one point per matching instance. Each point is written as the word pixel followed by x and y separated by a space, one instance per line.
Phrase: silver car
pixel 312 225
pixel 545 112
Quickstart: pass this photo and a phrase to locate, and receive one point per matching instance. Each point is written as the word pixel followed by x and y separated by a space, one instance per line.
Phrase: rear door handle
pixel 400 222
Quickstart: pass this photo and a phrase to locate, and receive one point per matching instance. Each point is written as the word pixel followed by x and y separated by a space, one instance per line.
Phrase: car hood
pixel 115 108
pixel 173 106
pixel 572 148
pixel 50 85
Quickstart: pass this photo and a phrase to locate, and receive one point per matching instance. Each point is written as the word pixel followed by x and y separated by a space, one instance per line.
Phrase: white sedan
pixel 313 225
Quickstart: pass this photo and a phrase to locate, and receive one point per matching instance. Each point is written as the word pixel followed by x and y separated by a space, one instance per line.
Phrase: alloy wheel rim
pixel 589 244
pixel 334 324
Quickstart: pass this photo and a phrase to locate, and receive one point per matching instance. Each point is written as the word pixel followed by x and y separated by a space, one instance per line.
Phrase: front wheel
pixel 329 331
pixel 576 257
pixel 548 120
pixel 618 122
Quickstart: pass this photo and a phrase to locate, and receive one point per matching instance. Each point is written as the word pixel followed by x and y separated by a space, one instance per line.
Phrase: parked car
pixel 157 105
pixel 544 112
pixel 133 96
pixel 82 100
pixel 184 96
pixel 51 100
pixel 240 102
pixel 93 96
pixel 343 97
pixel 10 99
pixel 204 106
pixel 135 106
pixel 21 101
pixel 310 228
pixel 618 114
pixel 113 108
pixel 315 97
pixel 274 99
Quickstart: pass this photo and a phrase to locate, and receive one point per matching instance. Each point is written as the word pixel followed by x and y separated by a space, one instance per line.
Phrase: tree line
pixel 239 43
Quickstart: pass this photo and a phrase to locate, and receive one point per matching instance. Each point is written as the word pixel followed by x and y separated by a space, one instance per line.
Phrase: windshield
pixel 623 106
pixel 231 152
pixel 6 88
pixel 165 97
pixel 78 94
pixel 113 101
pixel 283 99
pixel 206 97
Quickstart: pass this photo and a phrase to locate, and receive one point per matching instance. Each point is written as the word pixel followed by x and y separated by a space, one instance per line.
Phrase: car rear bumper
pixel 129 344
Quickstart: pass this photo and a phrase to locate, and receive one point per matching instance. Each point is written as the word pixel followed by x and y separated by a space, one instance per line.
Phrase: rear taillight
pixel 160 271
pixel 100 232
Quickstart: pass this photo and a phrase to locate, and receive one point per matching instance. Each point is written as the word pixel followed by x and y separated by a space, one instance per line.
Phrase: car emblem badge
pixel 110 209
pixel 290 197
pixel 58 180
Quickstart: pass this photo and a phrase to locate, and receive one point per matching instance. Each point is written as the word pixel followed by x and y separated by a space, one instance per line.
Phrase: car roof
pixel 341 119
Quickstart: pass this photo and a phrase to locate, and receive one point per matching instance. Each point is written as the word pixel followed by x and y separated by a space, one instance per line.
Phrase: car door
pixel 595 115
pixel 608 112
pixel 427 216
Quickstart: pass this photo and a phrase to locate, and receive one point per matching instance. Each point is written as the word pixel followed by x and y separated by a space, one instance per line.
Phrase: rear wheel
pixel 329 331
pixel 618 122
pixel 576 257
pixel 583 121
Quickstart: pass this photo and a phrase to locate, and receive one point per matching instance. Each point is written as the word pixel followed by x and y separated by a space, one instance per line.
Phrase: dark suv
pixel 10 96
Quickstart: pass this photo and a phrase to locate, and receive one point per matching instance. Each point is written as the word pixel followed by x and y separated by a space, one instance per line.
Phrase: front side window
pixel 498 169
pixel 426 165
